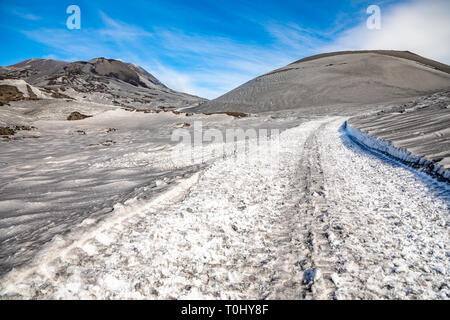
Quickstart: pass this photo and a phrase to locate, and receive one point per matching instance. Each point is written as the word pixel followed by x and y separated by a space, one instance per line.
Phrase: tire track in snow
pixel 306 264
pixel 317 278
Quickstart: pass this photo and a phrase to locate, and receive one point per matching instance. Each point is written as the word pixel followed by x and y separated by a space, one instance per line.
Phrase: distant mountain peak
pixel 103 80
pixel 39 64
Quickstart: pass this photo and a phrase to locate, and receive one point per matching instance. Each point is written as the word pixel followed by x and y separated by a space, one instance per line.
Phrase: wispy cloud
pixel 115 39
pixel 294 37
pixel 24 15
pixel 217 64
pixel 118 30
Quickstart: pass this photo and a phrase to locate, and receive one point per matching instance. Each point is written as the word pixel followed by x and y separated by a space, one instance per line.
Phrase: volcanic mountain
pixel 100 80
pixel 339 79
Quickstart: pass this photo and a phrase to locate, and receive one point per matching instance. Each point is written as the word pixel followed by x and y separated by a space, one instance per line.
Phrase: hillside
pixel 99 80
pixel 337 79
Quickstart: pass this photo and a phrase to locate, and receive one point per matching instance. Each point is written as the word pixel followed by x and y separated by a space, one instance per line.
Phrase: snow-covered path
pixel 333 222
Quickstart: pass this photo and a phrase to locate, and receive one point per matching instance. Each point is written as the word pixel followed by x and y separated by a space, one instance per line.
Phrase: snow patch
pixel 21 85
pixel 402 154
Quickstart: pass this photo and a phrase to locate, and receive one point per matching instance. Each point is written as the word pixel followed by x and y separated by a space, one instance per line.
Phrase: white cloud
pixel 115 39
pixel 24 15
pixel 20 12
pixel 293 37
pixel 118 30
pixel 420 26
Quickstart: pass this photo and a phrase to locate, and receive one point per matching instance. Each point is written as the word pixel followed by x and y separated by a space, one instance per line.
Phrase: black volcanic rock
pixel 77 116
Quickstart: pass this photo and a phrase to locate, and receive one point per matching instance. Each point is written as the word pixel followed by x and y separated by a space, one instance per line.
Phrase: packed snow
pixel 402 154
pixel 330 220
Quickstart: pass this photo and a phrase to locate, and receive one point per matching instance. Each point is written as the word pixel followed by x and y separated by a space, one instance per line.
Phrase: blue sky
pixel 209 47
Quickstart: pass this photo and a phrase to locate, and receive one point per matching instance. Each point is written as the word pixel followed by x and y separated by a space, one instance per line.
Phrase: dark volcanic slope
pixel 39 64
pixel 341 78
pixel 31 69
pixel 100 80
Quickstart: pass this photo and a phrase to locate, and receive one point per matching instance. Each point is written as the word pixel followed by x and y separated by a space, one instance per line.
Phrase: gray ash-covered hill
pixel 99 80
pixel 340 79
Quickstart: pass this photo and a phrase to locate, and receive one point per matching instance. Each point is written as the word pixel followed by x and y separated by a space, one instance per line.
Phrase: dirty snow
pixel 335 221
